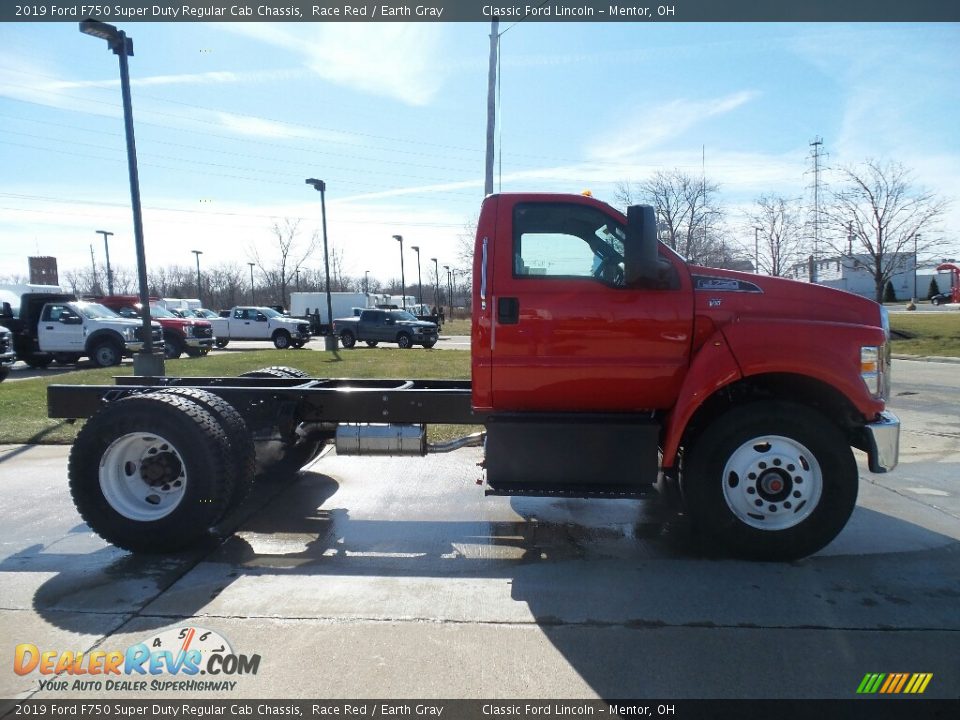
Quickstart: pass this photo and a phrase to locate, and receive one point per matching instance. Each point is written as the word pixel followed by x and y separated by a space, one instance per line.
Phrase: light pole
pixel 329 340
pixel 366 282
pixel 436 287
pixel 416 249
pixel 756 250
pixel 106 250
pixel 253 299
pixel 198 253
pixel 916 237
pixel 449 291
pixel 403 279
pixel 144 362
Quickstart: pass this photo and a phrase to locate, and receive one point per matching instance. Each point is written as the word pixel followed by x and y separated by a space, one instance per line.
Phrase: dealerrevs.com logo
pixel 175 660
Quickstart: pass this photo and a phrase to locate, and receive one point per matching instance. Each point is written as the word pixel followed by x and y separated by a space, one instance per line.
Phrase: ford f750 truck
pixel 603 364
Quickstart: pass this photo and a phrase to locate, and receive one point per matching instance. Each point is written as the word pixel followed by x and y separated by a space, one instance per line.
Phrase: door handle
pixel 508 310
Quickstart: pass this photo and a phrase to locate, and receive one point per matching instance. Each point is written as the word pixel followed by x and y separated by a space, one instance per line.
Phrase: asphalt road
pixel 373 577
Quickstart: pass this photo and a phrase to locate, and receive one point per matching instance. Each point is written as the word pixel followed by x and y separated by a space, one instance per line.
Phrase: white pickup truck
pixel 59 327
pixel 261 323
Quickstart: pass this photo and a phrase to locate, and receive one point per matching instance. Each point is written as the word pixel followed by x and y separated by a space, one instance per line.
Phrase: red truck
pixel 603 366
pixel 191 335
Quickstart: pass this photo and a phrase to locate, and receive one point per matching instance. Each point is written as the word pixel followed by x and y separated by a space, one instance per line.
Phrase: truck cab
pixel 592 340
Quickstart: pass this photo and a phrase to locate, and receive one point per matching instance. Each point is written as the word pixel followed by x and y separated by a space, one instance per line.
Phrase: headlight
pixel 875 369
pixel 188 331
pixel 128 334
pixel 418 331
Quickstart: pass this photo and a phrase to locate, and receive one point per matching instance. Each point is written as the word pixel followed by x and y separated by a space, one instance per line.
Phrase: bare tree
pixel 887 218
pixel 778 230
pixel 687 211
pixel 288 256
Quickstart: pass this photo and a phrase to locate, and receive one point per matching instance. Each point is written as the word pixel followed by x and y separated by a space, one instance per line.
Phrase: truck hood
pixel 417 323
pixel 730 295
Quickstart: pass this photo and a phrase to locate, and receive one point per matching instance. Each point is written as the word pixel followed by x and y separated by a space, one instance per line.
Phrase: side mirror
pixel 390 321
pixel 640 250
pixel 71 320
pixel 261 317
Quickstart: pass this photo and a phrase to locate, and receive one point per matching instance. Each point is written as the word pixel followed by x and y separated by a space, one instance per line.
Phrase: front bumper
pixel 200 342
pixel 883 442
pixel 8 359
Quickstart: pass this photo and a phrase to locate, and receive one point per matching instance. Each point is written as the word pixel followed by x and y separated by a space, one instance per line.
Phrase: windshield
pixel 204 313
pixel 401 315
pixel 95 311
pixel 269 312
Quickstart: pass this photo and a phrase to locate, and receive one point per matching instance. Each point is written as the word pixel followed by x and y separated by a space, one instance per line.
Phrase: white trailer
pixel 305 304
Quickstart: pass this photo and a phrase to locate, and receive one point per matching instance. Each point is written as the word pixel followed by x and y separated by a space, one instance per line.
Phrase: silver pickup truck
pixel 392 326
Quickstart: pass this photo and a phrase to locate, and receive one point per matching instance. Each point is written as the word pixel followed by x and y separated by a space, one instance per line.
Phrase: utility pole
pixel 491 103
pixel 95 287
pixel 106 248
pixel 816 155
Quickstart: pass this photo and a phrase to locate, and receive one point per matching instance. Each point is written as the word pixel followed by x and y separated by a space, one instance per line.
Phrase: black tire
pixel 65 358
pixel 221 343
pixel 184 443
pixel 197 352
pixel 242 458
pixel 372 343
pixel 106 353
pixel 935 301
pixel 770 480
pixel 405 341
pixel 172 347
pixel 347 339
pixel 277 371
pixel 38 362
pixel 281 340
pixel 429 345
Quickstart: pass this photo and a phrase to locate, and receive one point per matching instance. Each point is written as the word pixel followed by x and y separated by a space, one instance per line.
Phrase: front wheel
pixel 281 340
pixel 106 354
pixel 404 341
pixel 770 481
pixel 221 343
pixel 429 345
pixel 372 343
pixel 172 347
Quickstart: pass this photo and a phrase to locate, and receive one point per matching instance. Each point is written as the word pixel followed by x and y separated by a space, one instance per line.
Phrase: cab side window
pixel 566 240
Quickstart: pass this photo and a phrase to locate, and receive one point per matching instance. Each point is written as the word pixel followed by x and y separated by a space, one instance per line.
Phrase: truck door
pixel 568 334
pixel 60 329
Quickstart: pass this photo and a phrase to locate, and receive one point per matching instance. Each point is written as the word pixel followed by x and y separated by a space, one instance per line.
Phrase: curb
pixel 927 358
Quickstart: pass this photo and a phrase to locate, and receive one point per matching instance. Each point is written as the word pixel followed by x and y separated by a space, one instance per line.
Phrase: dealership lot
pixel 380 577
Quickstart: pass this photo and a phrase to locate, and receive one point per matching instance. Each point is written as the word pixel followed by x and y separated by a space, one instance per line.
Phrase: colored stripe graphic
pixel 894 683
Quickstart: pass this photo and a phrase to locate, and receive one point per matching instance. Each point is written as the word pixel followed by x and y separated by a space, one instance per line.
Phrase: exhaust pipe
pixel 395 439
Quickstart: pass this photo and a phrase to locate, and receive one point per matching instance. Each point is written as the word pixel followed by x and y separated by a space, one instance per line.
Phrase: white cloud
pixel 654 126
pixel 402 61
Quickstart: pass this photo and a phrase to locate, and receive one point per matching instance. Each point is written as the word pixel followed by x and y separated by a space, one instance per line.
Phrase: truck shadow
pixel 595 579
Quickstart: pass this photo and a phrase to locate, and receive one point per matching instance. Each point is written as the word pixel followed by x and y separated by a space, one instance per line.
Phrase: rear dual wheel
pixel 152 473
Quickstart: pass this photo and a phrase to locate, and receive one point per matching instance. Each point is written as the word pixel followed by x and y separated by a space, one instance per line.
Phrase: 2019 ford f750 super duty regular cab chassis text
pixel 602 362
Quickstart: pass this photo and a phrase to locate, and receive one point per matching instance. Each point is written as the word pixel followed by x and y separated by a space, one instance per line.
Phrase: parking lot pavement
pixel 395 577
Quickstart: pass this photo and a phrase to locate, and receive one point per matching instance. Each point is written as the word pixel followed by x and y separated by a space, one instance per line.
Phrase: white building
pixel 854 273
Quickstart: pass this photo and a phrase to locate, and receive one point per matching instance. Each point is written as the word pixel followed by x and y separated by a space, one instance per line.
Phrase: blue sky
pixel 231 118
